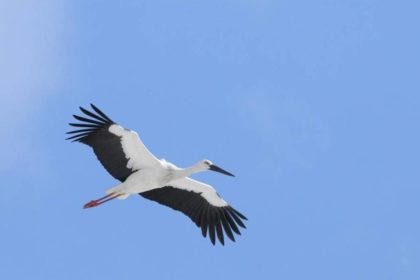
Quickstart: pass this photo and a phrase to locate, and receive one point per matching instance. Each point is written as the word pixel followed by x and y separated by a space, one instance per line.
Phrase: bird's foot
pixel 100 201
pixel 91 204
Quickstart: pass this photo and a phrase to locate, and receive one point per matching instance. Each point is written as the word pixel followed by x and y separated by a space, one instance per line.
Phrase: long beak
pixel 220 170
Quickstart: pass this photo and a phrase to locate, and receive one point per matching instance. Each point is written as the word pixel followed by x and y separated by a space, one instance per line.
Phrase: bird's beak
pixel 220 170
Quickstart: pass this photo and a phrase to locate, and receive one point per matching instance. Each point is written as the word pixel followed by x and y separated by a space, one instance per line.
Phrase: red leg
pixel 101 200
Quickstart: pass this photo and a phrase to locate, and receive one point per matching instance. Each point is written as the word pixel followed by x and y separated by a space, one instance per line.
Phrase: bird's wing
pixel 120 150
pixel 202 204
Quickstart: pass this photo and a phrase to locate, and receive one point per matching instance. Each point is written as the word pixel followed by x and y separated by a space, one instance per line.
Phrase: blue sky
pixel 314 105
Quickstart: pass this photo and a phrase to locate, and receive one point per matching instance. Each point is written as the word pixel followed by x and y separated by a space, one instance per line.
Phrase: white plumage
pixel 126 158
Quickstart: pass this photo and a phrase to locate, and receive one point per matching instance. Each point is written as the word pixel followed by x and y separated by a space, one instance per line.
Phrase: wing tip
pixel 92 124
pixel 99 111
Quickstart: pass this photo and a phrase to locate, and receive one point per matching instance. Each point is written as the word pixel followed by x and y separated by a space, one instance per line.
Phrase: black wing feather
pixel 86 112
pixel 226 226
pixel 107 146
pixel 211 219
pixel 101 113
pixel 84 125
pixel 232 223
pixel 236 218
pixel 82 119
pixel 219 230
pixel 80 130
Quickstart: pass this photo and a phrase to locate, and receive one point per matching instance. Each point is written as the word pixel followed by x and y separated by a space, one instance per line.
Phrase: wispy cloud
pixel 31 70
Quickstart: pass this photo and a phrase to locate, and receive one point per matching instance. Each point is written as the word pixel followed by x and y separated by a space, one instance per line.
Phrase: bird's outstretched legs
pixel 101 200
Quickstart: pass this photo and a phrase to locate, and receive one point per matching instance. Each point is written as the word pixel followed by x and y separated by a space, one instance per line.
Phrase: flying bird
pixel 126 158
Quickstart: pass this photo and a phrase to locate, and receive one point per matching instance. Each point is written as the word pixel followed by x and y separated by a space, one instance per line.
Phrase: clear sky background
pixel 314 105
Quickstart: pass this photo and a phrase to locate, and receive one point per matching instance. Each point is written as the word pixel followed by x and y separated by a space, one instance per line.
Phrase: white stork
pixel 125 157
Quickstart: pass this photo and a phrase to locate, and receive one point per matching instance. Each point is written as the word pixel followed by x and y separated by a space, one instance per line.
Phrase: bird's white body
pixel 126 158
pixel 153 173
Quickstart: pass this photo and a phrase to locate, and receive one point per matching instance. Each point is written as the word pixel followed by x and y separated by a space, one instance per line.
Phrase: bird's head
pixel 206 164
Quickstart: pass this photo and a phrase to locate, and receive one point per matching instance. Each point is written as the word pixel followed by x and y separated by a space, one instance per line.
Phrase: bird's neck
pixel 186 172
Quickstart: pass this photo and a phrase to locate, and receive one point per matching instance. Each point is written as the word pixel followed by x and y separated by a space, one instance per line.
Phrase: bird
pixel 123 154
